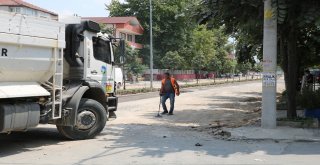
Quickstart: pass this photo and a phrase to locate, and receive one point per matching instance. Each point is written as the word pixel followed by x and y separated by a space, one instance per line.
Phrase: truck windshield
pixel 101 50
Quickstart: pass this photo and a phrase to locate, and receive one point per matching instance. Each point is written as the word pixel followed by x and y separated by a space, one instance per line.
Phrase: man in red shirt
pixel 169 89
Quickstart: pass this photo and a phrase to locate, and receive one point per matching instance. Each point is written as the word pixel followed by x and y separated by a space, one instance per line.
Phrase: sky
pixel 83 8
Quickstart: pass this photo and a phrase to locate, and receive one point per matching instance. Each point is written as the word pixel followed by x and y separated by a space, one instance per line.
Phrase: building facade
pixel 122 27
pixel 22 7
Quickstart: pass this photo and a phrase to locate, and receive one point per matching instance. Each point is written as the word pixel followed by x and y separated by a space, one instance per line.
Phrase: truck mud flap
pixel 70 109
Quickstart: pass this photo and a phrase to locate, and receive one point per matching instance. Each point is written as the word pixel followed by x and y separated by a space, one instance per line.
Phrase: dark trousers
pixel 164 98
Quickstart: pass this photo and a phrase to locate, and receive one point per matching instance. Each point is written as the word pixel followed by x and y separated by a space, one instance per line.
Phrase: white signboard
pixel 269 79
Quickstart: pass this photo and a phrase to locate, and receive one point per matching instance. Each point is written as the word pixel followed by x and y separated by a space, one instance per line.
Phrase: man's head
pixel 167 75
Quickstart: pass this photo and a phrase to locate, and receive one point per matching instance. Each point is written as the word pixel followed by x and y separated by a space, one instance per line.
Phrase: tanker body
pixel 56 73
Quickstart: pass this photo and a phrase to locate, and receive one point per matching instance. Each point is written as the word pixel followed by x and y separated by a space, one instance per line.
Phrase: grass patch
pixel 295 119
pixel 298 122
pixel 136 91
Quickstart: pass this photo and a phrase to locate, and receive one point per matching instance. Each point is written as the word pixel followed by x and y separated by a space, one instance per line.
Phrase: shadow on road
pixel 179 133
pixel 157 141
pixel 18 142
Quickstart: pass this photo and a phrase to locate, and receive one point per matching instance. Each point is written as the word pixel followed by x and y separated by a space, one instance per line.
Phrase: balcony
pixel 135 45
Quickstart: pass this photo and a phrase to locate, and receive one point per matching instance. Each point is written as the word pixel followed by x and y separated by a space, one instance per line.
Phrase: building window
pixel 24 11
pixel 31 12
pixel 16 10
pixel 44 15
pixel 123 36
pixel 129 38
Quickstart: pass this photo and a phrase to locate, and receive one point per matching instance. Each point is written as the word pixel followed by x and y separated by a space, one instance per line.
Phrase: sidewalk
pixel 280 133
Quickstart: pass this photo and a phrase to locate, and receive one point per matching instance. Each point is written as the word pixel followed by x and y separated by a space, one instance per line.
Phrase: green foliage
pixel 179 42
pixel 132 62
pixel 215 64
pixel 116 8
pixel 229 66
pixel 199 61
pixel 172 60
pixel 298 33
pixel 258 67
pixel 105 29
pixel 208 49
pixel 172 23
pixel 203 41
pixel 243 19
pixel 244 67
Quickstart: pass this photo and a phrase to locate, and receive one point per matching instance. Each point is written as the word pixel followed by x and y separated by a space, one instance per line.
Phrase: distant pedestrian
pixel 308 79
pixel 169 89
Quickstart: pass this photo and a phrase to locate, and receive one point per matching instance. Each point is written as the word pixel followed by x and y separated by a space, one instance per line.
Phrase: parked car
pixel 236 75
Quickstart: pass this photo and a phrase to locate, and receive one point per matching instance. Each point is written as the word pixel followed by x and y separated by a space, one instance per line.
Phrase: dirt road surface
pixel 137 137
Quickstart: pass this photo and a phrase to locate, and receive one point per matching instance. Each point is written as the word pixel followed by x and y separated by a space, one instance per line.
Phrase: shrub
pixel 309 99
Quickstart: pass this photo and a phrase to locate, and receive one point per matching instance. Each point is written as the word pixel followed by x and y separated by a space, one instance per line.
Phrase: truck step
pixel 112 98
pixel 112 108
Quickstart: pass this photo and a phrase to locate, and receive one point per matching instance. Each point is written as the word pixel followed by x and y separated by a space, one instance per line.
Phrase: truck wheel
pixel 91 120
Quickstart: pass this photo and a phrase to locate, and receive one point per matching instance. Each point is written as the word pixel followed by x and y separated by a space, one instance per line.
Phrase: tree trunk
pixel 292 77
pixel 284 64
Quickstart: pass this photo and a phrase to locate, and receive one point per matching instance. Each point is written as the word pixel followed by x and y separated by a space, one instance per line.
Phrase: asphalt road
pixel 136 137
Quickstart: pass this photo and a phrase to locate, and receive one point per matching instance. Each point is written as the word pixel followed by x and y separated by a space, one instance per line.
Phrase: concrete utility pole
pixel 151 47
pixel 269 89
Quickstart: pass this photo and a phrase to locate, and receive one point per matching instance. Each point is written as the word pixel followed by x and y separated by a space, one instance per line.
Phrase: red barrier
pixel 159 77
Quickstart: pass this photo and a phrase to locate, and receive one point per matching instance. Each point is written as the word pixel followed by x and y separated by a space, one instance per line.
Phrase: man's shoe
pixel 170 113
pixel 164 113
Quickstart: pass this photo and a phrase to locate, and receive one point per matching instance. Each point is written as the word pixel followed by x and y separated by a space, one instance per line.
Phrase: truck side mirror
pixel 122 46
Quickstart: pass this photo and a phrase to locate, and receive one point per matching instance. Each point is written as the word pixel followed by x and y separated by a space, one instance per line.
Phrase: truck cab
pixel 89 66
pixel 89 57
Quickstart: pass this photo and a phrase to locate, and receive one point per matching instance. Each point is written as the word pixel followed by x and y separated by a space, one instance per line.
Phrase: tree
pixel 244 67
pixel 132 62
pixel 172 60
pixel 208 50
pixel 202 45
pixel 298 21
pixel 215 65
pixel 106 29
pixel 198 63
pixel 172 23
pixel 229 66
pixel 298 33
pixel 257 67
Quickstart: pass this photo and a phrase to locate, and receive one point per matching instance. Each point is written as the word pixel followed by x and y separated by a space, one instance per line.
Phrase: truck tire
pixel 91 120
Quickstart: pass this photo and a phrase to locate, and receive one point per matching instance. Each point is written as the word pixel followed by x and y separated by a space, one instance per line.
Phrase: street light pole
pixel 269 81
pixel 151 46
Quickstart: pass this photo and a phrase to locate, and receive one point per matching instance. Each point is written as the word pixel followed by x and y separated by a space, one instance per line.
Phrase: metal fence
pixel 157 84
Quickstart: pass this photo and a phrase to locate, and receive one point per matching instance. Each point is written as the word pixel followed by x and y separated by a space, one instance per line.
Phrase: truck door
pixel 100 63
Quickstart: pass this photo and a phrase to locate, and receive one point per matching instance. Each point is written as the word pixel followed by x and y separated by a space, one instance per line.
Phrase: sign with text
pixel 269 80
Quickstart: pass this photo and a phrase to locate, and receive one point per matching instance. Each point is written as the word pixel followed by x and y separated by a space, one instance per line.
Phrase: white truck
pixel 55 73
